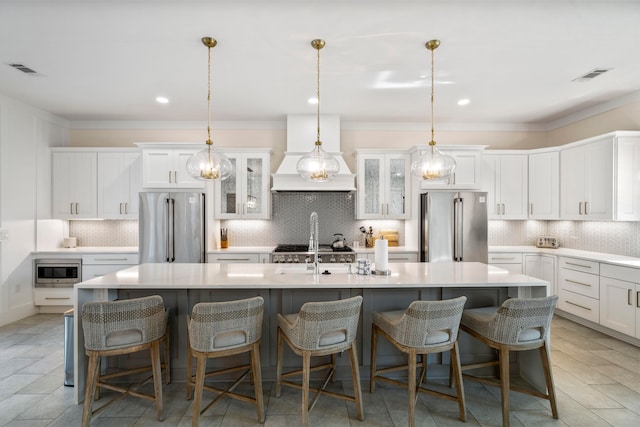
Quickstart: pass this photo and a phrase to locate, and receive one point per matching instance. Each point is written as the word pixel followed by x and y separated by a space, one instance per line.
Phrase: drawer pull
pixel 578 305
pixel 55 298
pixel 502 258
pixel 638 299
pixel 234 259
pixel 578 265
pixel 577 283
pixel 109 259
pixel 399 259
pixel 629 297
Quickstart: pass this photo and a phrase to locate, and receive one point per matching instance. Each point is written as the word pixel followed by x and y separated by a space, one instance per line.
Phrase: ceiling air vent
pixel 591 74
pixel 24 69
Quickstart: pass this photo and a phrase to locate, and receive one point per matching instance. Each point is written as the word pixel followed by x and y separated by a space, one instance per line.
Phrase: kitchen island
pixel 286 287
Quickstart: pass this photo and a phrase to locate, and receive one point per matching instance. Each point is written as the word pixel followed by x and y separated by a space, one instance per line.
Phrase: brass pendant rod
pixel 317 45
pixel 209 43
pixel 432 45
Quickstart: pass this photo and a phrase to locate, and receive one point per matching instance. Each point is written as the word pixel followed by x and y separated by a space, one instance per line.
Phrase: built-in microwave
pixel 56 273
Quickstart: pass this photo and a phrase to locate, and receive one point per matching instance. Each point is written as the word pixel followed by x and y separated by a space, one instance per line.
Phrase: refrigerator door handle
pixel 203 221
pixel 457 236
pixel 170 230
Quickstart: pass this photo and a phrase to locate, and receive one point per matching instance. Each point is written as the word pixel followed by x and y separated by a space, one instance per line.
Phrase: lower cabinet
pixel 239 257
pixel 96 265
pixel 620 299
pixel 53 297
pixel 543 267
pixel 507 260
pixel 579 287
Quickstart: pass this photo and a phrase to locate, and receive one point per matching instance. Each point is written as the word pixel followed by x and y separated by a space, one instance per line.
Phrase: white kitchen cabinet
pixel 383 184
pixel 467 174
pixel 53 297
pixel 236 257
pixel 620 299
pixel 579 287
pixel 165 165
pixel 600 178
pixel 99 264
pixel 245 194
pixel 505 181
pixel 542 266
pixel 74 176
pixel 507 260
pixel 394 256
pixel 544 185
pixel 119 182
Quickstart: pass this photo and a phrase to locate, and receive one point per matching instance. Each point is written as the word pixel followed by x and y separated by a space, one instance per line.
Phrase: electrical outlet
pixel 4 234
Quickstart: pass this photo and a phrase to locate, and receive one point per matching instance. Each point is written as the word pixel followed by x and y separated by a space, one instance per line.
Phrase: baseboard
pixel 598 327
pixel 16 313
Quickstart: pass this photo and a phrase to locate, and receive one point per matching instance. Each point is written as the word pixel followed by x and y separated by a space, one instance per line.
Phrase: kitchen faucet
pixel 314 236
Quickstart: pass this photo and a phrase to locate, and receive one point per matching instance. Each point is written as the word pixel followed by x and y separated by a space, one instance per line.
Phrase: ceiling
pixel 514 60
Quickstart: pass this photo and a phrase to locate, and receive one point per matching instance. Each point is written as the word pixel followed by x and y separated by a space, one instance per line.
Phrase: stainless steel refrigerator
pixel 453 226
pixel 172 227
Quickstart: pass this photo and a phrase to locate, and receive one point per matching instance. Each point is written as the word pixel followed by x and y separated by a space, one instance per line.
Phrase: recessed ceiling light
pixel 312 101
pixel 162 100
pixel 464 101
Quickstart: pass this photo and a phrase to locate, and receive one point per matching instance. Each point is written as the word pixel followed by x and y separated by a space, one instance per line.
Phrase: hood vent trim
pixel 301 134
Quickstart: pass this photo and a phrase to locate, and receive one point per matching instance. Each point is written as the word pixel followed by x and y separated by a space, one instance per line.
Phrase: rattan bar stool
pixel 121 327
pixel 425 327
pixel 518 324
pixel 320 329
pixel 223 329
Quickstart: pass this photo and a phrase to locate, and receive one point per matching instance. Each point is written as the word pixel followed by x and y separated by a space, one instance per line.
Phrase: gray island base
pixel 286 287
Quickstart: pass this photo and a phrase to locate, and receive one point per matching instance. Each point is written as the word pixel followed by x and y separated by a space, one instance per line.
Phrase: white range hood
pixel 301 136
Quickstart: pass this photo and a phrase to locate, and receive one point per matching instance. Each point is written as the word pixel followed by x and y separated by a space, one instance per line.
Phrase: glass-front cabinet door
pixel 383 184
pixel 245 194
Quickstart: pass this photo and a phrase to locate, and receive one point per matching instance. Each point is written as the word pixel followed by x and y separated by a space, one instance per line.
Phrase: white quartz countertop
pixel 88 250
pixel 575 253
pixel 282 276
pixel 268 249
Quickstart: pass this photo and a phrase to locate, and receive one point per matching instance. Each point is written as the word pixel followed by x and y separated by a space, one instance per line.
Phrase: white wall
pixel 25 196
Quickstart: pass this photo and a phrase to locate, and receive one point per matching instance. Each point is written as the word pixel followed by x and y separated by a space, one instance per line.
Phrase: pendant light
pixel 433 164
pixel 318 165
pixel 209 164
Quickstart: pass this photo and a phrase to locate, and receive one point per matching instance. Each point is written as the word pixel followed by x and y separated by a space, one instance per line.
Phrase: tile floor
pixel 597 382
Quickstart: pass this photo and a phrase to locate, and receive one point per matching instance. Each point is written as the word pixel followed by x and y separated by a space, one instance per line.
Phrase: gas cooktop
pixel 305 248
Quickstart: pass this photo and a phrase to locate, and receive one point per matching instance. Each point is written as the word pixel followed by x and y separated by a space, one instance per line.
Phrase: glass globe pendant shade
pixel 317 166
pixel 433 165
pixel 208 164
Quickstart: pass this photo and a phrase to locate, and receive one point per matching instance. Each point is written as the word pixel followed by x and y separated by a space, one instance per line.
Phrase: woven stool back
pixel 516 315
pixel 209 319
pixel 423 318
pixel 146 316
pixel 318 318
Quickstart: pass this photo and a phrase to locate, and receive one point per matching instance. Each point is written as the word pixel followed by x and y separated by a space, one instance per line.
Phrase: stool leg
pixel 257 380
pixel 167 359
pixel 201 362
pixel 157 378
pixel 504 385
pixel 546 364
pixel 279 364
pixel 456 373
pixel 411 387
pixel 189 371
pixel 306 371
pixel 355 374
pixel 90 387
pixel 374 351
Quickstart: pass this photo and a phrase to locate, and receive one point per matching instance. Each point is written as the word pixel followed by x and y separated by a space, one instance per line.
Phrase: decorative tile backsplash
pixel 290 224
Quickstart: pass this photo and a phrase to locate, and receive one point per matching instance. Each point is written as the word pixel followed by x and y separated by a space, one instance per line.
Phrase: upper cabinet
pixel 245 194
pixel 505 181
pixel 544 185
pixel 468 172
pixel 119 182
pixel 165 165
pixel 74 184
pixel 600 178
pixel 383 184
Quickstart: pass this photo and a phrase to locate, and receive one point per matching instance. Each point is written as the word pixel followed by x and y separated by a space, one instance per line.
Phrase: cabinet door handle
pixel 234 259
pixel 578 305
pixel 629 292
pixel 71 208
pixel 169 177
pixel 175 177
pixel 531 209
pixel 110 259
pixel 586 208
pixel 77 211
pixel 120 208
pixel 580 208
pixel 498 208
pixel 56 298
pixel 638 299
pixel 577 283
pixel 578 265
pixel 454 179
pixel 502 258
pixel 503 209
pixel 126 208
